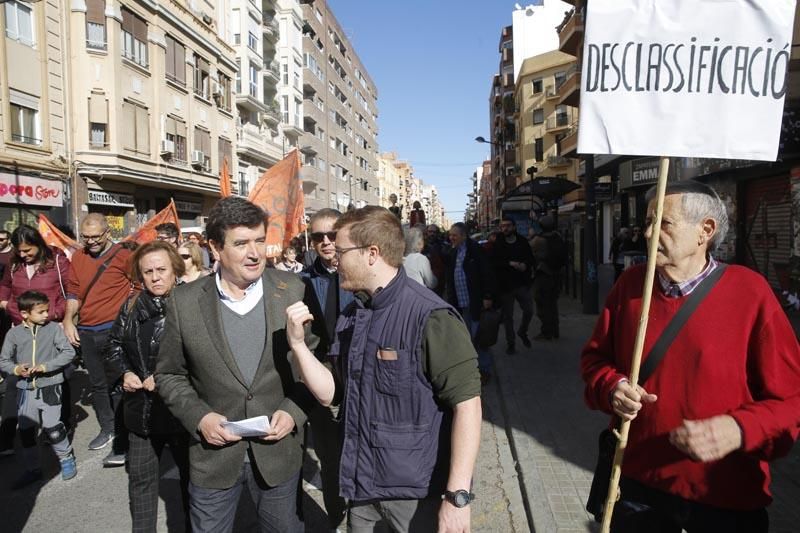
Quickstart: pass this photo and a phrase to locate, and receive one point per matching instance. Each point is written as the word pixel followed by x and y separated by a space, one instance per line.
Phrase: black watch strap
pixel 459 498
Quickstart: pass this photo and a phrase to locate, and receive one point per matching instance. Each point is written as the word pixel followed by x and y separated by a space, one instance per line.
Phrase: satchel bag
pixel 488 327
pixel 607 444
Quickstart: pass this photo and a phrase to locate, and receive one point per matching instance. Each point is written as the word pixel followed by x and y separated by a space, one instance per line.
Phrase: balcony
pixel 558 122
pixel 569 144
pixel 270 27
pixel 550 92
pixel 556 161
pixel 569 90
pixel 508 81
pixel 570 35
pixel 251 103
pixel 510 157
pixel 272 115
pixel 251 144
pixel 292 125
pixel 271 72
pixel 308 149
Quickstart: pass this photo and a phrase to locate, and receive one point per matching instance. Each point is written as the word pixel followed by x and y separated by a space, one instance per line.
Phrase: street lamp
pixel 482 140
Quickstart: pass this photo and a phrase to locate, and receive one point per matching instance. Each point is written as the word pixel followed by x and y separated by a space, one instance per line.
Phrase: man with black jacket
pixel 470 287
pixel 512 260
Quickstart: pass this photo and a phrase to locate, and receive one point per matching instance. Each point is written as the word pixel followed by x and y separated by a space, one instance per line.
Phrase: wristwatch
pixel 459 498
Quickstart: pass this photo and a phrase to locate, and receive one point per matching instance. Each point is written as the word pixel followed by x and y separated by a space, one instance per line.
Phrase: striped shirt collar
pixel 672 289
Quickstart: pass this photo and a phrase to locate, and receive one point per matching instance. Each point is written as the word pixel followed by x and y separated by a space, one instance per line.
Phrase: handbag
pixel 607 443
pixel 488 328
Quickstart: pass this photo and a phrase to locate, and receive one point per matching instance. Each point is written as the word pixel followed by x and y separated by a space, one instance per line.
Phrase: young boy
pixel 36 351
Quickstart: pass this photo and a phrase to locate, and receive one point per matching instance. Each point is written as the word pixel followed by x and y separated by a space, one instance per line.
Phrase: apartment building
pixel 34 159
pixel 542 121
pixel 505 172
pixel 388 178
pixel 260 143
pixel 152 107
pixel 339 143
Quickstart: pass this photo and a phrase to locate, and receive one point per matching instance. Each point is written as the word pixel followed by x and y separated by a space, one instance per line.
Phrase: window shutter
pixel 206 138
pixel 170 62
pixel 127 21
pixel 142 130
pixel 198 139
pixel 180 62
pixel 169 126
pixel 128 126
pixel 140 29
pixel 96 11
pixel 180 129
pixel 98 110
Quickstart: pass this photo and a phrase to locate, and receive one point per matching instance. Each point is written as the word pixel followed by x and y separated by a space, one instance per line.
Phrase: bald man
pixel 97 287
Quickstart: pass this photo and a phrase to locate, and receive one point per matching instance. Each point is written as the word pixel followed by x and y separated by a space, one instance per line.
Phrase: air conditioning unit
pixel 167 147
pixel 198 157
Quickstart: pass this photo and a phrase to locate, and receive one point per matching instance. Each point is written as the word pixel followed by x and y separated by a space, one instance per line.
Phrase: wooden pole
pixel 633 378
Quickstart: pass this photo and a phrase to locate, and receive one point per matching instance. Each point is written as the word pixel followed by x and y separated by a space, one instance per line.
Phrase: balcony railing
pixel 558 161
pixel 25 139
pixel 559 121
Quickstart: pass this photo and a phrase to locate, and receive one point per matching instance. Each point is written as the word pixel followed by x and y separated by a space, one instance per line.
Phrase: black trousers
pixel 144 455
pixel 92 344
pixel 642 509
pixel 545 294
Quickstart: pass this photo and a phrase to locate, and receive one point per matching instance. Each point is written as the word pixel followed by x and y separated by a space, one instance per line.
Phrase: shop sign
pixel 27 190
pixel 603 191
pixel 641 172
pixel 110 198
pixel 188 207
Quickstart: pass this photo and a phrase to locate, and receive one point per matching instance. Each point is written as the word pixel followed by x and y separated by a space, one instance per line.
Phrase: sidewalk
pixel 554 436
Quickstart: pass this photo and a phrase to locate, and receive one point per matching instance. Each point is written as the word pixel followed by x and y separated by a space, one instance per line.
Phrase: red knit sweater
pixel 736 355
pixel 108 293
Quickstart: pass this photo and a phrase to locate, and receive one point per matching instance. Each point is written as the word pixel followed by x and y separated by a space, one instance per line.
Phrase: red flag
pixel 54 237
pixel 224 179
pixel 279 192
pixel 147 232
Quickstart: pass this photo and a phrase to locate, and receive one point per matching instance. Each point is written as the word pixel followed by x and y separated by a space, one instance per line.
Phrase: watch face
pixel 461 499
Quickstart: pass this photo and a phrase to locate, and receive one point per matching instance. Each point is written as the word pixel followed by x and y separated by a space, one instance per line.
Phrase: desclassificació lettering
pixel 717 67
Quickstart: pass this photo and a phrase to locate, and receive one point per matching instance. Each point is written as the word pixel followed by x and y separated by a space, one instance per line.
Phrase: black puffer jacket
pixel 133 347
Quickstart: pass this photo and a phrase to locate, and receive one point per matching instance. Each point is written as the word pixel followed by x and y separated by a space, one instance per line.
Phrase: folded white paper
pixel 251 427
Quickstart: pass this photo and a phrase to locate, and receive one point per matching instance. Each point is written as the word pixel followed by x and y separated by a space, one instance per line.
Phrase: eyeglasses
pixel 342 251
pixel 319 236
pixel 165 238
pixel 93 238
pixel 186 256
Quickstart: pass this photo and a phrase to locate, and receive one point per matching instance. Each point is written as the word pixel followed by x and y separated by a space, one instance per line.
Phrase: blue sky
pixel 432 61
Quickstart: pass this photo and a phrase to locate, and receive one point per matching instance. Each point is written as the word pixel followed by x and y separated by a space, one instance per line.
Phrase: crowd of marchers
pixel 372 346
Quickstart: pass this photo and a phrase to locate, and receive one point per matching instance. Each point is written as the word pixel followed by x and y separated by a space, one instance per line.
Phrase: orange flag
pixel 279 192
pixel 54 237
pixel 147 232
pixel 224 179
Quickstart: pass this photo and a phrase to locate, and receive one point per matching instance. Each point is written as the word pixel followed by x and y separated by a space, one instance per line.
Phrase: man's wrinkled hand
pixel 149 384
pixel 131 382
pixel 280 425
pixel 213 432
pixel 297 315
pixel 72 333
pixel 627 401
pixel 707 440
pixel 453 519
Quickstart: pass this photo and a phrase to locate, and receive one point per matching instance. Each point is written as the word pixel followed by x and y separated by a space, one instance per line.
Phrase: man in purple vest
pixel 404 372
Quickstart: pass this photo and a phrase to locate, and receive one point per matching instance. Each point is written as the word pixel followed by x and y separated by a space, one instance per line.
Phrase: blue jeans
pixel 484 356
pixel 214 510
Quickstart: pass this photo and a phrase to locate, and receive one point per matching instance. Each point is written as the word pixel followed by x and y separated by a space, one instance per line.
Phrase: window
pixel 252 42
pixel 537 86
pixel 224 149
pixel 224 92
pixel 202 143
pixel 253 80
pixel 538 149
pixel 25 125
pixel 19 22
pixel 562 115
pixel 96 24
pixel 176 61
pixel 238 80
pixel 560 78
pixel 244 187
pixel 98 121
pixel 176 133
pixel 538 116
pixel 201 77
pixel 134 38
pixel 285 70
pixel 135 128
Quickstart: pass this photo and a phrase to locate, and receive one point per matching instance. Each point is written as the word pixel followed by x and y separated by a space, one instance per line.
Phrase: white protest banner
pixel 690 78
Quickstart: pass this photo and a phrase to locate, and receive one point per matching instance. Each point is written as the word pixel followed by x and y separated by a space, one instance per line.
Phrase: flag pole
pixel 624 429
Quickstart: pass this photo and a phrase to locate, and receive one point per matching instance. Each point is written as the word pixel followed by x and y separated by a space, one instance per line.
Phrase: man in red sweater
pixel 724 400
pixel 97 299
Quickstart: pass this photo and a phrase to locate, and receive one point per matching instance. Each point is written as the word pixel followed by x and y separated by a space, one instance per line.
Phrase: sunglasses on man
pixel 319 236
